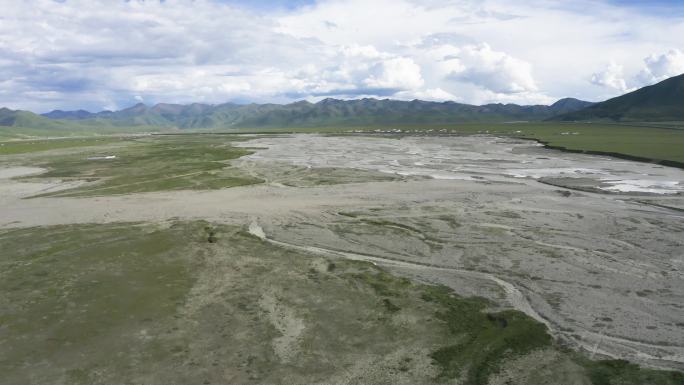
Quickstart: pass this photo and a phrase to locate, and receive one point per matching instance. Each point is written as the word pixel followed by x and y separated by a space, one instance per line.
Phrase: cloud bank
pixel 98 54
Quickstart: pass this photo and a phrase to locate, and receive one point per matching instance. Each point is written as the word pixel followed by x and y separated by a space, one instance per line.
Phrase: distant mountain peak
pixel 566 105
pixel 565 101
pixel 137 106
pixel 301 103
pixel 328 101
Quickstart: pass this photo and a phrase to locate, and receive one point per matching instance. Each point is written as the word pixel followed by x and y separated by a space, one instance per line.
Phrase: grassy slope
pixel 155 304
pixel 659 102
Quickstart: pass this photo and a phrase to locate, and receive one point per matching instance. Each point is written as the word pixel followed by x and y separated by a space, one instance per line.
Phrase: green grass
pixel 73 294
pixel 619 372
pixel 646 142
pixel 150 164
pixel 482 341
pixel 35 145
pixel 73 129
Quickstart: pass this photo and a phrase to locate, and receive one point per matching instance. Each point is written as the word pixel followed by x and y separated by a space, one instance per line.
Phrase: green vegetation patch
pixel 475 342
pixel 657 144
pixel 35 145
pixel 151 164
pixel 307 177
pixel 482 340
pixel 618 372
pixel 382 283
pixel 73 295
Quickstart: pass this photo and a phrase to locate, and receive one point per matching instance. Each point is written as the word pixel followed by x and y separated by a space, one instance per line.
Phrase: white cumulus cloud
pixel 355 70
pixel 661 67
pixel 431 94
pixel 493 70
pixel 612 77
pixel 397 73
pixel 655 68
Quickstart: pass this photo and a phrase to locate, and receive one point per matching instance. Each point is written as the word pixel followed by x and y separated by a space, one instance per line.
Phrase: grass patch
pixel 476 342
pixel 35 145
pixel 619 372
pixel 482 340
pixel 646 142
pixel 386 223
pixel 151 164
pixel 382 283
pixel 74 294
pixel 304 177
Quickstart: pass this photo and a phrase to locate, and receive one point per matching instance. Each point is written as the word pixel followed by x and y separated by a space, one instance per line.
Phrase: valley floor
pixel 257 282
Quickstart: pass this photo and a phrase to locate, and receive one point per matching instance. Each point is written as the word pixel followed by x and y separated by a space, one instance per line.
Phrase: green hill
pixel 17 118
pixel 661 102
pixel 24 124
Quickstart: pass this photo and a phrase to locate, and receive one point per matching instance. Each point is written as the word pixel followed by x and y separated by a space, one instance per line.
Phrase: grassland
pixel 191 302
pixel 82 288
pixel 73 129
pixel 658 144
pixel 36 145
pixel 148 164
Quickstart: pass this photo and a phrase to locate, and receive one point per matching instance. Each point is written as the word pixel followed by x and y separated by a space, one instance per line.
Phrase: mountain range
pixel 328 112
pixel 660 102
pixel 325 112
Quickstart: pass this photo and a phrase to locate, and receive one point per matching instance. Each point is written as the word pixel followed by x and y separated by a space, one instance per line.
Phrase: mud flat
pixel 597 255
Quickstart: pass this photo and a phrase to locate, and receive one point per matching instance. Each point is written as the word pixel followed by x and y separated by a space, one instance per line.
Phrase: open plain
pixel 341 192
pixel 233 256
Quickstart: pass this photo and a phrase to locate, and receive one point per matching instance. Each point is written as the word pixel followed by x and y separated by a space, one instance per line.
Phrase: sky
pixel 110 54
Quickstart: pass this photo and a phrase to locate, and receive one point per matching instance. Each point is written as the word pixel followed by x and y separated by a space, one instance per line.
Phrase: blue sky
pixel 641 3
pixel 662 7
pixel 108 54
pixel 270 4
